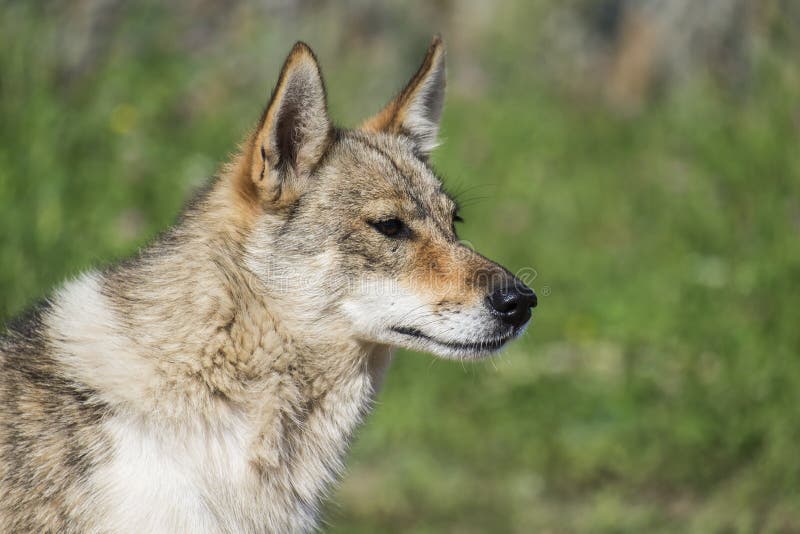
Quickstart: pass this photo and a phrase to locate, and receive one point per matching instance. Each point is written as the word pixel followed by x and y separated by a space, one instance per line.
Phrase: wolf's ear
pixel 294 130
pixel 416 111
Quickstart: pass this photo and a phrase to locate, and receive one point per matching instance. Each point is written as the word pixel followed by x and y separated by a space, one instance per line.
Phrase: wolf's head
pixel 354 235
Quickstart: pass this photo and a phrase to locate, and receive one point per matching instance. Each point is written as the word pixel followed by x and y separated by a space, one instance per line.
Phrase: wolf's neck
pixel 183 333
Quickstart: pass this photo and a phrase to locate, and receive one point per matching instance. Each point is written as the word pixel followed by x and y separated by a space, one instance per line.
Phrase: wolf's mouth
pixel 484 345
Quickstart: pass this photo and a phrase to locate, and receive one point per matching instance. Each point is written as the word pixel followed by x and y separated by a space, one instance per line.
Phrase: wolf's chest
pixel 162 479
pixel 213 479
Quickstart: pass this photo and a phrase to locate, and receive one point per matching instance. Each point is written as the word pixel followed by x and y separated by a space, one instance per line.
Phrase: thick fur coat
pixel 212 383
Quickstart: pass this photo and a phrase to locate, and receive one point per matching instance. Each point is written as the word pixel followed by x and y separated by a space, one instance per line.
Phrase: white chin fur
pixel 455 349
pixel 449 351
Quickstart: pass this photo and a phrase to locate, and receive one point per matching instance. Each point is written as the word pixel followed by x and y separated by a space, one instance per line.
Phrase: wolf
pixel 212 382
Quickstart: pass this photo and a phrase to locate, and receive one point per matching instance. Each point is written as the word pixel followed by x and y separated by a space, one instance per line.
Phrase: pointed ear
pixel 416 111
pixel 294 130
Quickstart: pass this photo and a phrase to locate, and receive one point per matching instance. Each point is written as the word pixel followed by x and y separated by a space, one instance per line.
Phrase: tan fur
pixel 213 382
pixel 397 117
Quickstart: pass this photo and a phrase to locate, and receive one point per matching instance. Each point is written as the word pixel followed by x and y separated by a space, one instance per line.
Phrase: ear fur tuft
pixel 417 110
pixel 294 129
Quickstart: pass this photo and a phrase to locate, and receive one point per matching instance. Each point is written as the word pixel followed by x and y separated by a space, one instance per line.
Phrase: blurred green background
pixel 641 159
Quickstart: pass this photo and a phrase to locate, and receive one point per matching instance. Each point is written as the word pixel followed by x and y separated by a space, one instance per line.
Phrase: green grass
pixel 658 388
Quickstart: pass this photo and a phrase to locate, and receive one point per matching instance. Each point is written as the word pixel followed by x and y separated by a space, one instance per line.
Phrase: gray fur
pixel 212 383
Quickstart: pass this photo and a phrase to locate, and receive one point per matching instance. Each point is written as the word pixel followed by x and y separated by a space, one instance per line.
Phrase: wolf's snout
pixel 512 304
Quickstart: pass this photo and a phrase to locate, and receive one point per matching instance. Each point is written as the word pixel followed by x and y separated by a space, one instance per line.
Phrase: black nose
pixel 513 304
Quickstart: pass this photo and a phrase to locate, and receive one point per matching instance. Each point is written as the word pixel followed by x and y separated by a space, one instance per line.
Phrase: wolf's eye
pixel 390 227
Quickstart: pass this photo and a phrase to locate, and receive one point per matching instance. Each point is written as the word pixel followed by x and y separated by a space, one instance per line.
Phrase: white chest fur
pixel 205 478
pixel 182 458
